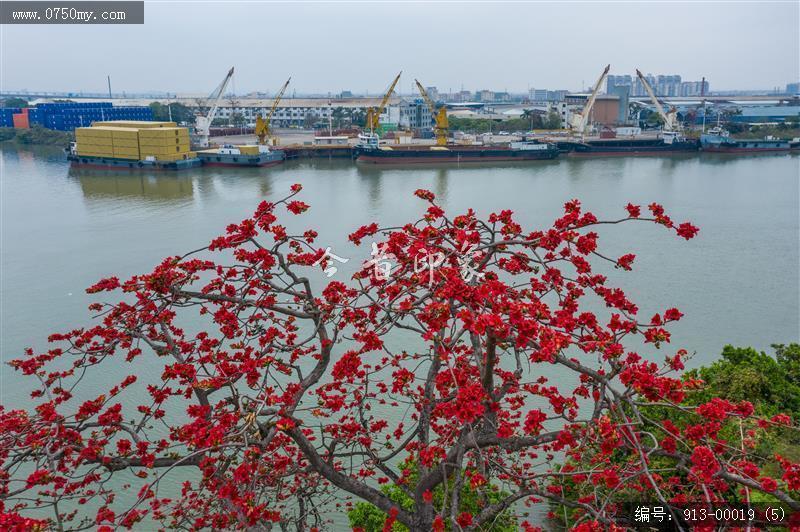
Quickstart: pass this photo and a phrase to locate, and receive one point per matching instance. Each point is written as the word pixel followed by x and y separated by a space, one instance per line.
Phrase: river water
pixel 737 282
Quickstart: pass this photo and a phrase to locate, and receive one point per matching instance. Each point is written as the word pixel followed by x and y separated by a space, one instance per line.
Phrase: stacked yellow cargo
pixel 165 143
pixel 94 142
pixel 134 140
pixel 248 150
pixel 125 142
pixel 135 124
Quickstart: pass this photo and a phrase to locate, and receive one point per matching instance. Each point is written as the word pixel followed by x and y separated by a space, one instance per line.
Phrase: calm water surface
pixel 737 283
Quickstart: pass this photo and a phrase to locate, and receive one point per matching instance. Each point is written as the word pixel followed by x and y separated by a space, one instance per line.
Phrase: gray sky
pixel 187 46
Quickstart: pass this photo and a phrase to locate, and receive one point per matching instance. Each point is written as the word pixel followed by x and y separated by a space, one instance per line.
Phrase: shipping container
pixel 137 124
pixel 21 121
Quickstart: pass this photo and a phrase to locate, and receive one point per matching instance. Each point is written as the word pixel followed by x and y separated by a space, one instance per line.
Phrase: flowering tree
pixel 274 400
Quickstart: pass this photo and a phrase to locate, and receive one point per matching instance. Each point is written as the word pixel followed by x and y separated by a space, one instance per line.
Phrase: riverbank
pixel 35 136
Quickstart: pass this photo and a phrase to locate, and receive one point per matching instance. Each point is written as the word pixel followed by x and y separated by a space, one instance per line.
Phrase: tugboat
pixel 250 155
pixel 719 140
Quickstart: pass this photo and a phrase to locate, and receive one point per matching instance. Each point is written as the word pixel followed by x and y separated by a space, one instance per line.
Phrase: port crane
pixel 263 131
pixel 374 114
pixel 671 125
pixel 441 123
pixel 579 121
pixel 202 124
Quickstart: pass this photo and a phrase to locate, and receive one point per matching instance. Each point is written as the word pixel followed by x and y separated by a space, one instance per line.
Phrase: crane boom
pixel 277 100
pixel 202 124
pixel 581 120
pixel 441 124
pixel 263 129
pixel 374 114
pixel 670 119
pixel 425 97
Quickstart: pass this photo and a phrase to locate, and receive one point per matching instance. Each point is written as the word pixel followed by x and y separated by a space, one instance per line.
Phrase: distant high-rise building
pixel 662 85
pixel 793 88
pixel 484 95
pixel 462 96
pixel 433 93
pixel 538 95
pixel 618 81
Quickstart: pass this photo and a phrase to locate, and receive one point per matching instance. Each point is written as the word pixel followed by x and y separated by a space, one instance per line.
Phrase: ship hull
pixel 451 155
pixel 734 149
pixel 626 148
pixel 271 158
pixel 724 143
pixel 109 163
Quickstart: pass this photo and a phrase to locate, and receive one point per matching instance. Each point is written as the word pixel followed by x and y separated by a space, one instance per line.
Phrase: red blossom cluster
pixel 272 398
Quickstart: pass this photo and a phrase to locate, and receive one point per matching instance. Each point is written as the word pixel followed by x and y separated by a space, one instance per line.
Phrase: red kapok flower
pixel 424 194
pixel 687 230
pixel 768 484
pixel 633 210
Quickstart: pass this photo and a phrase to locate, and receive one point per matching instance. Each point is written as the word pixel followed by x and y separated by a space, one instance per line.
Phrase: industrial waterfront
pixel 382 131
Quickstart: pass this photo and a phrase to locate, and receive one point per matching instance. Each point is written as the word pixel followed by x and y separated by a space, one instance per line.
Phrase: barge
pixel 229 155
pixel 718 140
pixel 123 164
pixel 666 144
pixel 369 151
pixel 133 145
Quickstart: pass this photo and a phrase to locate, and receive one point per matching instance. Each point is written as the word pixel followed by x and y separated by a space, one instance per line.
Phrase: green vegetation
pixel 789 129
pixel 365 516
pixel 35 135
pixel 310 120
pixel 179 113
pixel 15 102
pixel 770 383
pixel 528 121
pixel 237 120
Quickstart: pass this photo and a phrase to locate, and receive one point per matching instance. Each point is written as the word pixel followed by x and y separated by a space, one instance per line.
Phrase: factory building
pixel 545 95
pixel 606 111
pixel 293 112
pixel 414 114
pixel 622 92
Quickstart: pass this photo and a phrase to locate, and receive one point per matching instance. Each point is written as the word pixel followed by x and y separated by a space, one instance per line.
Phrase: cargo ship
pixel 666 144
pixel 718 140
pixel 251 155
pixel 133 145
pixel 368 150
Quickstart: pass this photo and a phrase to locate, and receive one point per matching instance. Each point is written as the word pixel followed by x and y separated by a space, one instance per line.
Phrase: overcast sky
pixel 186 47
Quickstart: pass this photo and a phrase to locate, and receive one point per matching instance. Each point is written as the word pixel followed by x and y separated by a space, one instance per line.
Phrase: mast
pixel 670 119
pixel 439 116
pixel 203 123
pixel 581 120
pixel 263 125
